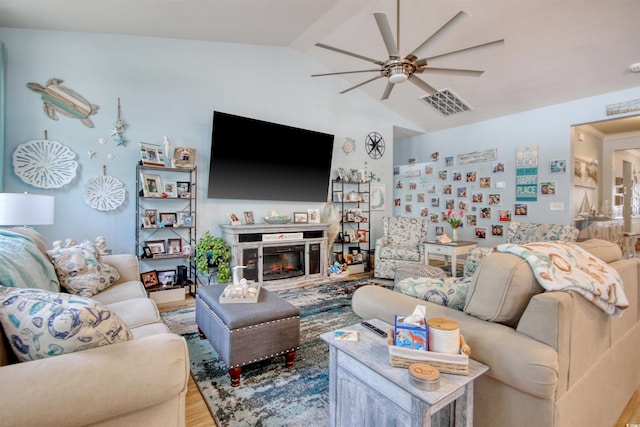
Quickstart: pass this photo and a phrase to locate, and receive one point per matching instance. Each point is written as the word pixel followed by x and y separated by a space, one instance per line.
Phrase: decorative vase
pixel 454 235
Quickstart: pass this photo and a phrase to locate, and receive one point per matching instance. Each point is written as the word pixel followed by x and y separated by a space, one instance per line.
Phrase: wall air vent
pixel 446 102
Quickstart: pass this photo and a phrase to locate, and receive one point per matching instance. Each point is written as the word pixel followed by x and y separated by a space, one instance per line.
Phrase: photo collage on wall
pixel 472 183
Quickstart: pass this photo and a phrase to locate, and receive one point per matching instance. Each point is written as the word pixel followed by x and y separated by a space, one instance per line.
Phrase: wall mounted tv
pixel 258 160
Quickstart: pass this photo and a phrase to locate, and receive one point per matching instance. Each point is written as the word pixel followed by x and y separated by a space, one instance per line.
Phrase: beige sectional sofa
pixel 140 381
pixel 555 358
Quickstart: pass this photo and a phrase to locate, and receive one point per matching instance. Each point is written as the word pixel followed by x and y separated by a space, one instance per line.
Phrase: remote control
pixel 374 329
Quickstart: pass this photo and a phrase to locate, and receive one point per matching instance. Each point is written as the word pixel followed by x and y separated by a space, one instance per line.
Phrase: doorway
pixel 618 142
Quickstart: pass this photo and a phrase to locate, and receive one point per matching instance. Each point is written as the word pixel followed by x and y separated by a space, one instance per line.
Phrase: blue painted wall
pixel 171 88
pixel 547 128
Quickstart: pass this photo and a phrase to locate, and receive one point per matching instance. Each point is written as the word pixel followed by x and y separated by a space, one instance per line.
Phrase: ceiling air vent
pixel 446 102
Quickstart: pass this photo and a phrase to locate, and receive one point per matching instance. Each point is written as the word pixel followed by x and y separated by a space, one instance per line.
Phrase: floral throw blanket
pixel 564 266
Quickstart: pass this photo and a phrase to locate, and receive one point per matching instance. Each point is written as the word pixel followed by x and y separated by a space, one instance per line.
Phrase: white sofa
pixel 555 359
pixel 142 381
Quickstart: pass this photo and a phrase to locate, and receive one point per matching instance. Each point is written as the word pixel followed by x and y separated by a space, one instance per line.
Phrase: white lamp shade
pixel 26 209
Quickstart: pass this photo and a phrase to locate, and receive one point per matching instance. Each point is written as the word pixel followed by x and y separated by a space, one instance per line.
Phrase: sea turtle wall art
pixel 61 99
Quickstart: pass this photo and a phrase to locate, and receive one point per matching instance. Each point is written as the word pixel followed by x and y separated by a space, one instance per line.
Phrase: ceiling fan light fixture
pixel 398 74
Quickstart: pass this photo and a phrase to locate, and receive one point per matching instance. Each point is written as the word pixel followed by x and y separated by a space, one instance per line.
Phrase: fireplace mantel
pixel 249 241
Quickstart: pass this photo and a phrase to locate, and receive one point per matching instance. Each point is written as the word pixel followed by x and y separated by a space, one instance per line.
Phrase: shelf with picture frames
pixel 353 244
pixel 166 232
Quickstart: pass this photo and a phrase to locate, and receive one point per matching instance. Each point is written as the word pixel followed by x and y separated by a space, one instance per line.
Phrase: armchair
pixel 401 244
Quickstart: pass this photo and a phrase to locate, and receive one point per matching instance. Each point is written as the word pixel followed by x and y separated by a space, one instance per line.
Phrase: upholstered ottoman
pixel 245 333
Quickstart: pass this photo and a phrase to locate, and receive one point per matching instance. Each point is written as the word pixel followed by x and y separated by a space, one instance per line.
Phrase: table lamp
pixel 25 209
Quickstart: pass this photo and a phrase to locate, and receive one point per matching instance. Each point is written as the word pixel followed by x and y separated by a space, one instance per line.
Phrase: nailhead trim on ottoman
pixel 247 333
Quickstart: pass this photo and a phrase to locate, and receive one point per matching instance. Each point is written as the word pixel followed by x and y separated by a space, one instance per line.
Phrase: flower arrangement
pixel 454 221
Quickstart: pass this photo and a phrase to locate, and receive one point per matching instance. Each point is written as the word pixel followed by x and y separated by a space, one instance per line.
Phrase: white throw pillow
pixel 41 324
pixel 80 269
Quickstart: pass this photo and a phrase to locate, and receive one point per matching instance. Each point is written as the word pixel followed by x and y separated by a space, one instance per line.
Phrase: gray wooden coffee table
pixel 365 390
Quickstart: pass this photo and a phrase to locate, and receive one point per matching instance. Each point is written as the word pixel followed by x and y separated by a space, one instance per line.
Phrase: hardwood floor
pixel 198 414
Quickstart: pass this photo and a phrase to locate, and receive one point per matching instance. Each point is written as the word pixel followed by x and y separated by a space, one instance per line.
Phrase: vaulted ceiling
pixel 554 50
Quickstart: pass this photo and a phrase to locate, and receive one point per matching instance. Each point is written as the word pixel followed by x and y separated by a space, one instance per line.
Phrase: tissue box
pixel 411 336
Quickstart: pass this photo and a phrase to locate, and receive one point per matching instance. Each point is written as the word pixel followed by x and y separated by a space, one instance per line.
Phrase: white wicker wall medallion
pixel 44 163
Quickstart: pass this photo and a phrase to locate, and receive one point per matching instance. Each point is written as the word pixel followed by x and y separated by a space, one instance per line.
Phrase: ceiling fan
pixel 398 68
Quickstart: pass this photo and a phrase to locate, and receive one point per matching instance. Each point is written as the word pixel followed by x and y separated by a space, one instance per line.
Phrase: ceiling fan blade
pixel 459 17
pixel 387 35
pixel 387 91
pixel 452 71
pixel 346 52
pixel 343 72
pixel 361 84
pixel 422 84
pixel 488 44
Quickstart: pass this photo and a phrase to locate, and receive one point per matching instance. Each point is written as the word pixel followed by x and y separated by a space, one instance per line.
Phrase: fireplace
pixel 279 254
pixel 282 262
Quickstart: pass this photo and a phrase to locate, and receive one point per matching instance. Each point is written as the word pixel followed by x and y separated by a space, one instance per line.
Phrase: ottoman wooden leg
pixel 234 373
pixel 201 334
pixel 289 358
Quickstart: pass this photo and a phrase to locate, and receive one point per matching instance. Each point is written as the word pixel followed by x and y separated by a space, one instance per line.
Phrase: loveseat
pixel 138 373
pixel 555 359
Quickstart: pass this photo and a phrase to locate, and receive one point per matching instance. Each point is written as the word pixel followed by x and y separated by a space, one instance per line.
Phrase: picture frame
pixel 149 278
pixel 151 185
pixel 183 189
pixel 249 218
pixel 174 245
pixel 558 166
pixel 233 218
pixel 166 277
pixel 151 154
pixel 300 217
pixel 548 187
pixel 184 157
pixel 351 235
pixel 146 222
pixel 156 246
pixel 146 252
pixel 361 235
pixel 342 174
pixel 151 215
pixel 169 219
pixel 314 215
pixel 170 189
pixel 185 219
pixel 585 172
pixel 186 250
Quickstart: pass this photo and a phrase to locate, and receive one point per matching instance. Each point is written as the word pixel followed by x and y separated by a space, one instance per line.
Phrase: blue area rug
pixel 269 393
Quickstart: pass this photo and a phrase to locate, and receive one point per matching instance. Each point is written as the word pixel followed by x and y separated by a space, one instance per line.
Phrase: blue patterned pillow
pixel 450 292
pixel 42 324
pixel 80 269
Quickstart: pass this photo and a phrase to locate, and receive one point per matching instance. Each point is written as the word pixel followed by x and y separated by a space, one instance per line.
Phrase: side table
pixel 365 390
pixel 451 250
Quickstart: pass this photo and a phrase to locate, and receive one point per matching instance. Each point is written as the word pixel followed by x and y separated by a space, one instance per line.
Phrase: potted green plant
pixel 213 252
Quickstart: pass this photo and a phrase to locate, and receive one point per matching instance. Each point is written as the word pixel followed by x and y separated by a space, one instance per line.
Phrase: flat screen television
pixel 258 160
